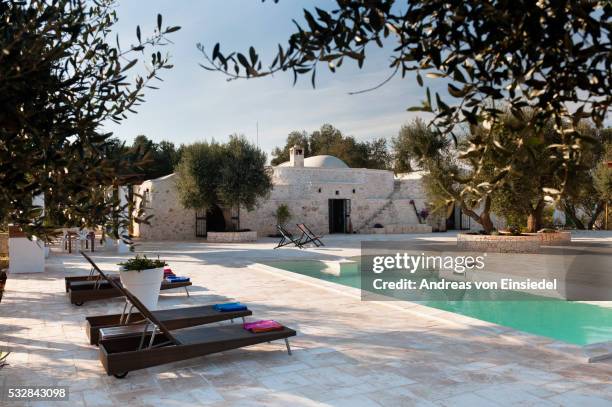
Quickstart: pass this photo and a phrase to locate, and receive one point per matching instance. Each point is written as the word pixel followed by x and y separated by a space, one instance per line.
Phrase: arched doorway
pixel 215 222
pixel 211 220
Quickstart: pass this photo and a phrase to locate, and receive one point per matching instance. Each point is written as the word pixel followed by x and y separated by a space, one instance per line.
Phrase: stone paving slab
pixel 347 352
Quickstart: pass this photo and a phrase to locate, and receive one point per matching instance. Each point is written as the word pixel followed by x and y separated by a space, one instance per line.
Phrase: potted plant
pixel 143 277
pixel 283 214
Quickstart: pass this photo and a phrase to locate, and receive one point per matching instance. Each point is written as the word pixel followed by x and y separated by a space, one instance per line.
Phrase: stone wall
pixel 170 220
pixel 559 238
pixel 399 229
pixel 499 243
pixel 306 191
pixel 231 237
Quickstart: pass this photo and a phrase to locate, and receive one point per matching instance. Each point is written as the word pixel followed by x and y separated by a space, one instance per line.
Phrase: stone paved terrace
pixel 347 352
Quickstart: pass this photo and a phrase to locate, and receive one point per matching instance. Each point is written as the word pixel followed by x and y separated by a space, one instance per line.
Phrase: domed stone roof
pixel 320 161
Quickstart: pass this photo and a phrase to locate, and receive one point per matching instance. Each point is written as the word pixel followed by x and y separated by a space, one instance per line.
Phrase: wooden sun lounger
pixel 91 288
pixel 287 238
pixel 308 236
pixel 130 323
pixel 156 345
pixel 69 280
pixel 120 356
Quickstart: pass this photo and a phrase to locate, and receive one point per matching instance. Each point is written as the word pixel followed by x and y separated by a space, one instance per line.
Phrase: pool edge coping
pixel 590 353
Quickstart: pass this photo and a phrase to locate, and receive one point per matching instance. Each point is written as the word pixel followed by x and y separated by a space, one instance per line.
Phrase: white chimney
pixel 296 156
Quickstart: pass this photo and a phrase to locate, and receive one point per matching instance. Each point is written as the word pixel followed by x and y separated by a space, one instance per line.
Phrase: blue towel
pixel 175 279
pixel 230 306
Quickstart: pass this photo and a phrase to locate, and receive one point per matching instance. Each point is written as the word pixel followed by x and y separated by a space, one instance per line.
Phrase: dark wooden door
pixel 339 215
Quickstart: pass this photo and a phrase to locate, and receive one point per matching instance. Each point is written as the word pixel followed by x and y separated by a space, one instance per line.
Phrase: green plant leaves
pixel 75 82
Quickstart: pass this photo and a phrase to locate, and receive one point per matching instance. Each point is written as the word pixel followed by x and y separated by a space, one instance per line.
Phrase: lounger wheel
pixel 121 376
pixel 78 304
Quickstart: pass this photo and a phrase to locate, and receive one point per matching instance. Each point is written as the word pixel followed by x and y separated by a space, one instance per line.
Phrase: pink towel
pixel 262 326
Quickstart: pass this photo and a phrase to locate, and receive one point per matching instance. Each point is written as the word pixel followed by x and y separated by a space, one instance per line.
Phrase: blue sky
pixel 193 104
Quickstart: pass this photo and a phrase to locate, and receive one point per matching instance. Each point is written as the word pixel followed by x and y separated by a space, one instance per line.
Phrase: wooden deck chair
pixel 157 345
pixel 308 236
pixel 287 238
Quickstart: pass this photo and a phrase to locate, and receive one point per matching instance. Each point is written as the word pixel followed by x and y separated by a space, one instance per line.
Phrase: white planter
pixel 26 256
pixel 144 285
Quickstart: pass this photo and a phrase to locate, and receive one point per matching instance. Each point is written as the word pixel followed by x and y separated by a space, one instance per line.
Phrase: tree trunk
pixel 534 220
pixel 238 216
pixel 484 219
pixel 486 222
pixel 598 210
pixel 571 213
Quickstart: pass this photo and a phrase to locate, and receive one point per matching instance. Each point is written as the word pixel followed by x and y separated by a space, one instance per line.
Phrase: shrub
pixel 283 214
pixel 142 263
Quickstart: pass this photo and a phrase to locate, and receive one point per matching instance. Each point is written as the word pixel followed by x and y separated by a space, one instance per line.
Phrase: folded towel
pixel 230 306
pixel 175 279
pixel 262 326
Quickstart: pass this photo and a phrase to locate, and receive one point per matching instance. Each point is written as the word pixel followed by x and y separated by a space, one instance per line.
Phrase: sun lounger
pixel 308 236
pixel 157 345
pixel 91 287
pixel 91 277
pixel 287 238
pixel 124 324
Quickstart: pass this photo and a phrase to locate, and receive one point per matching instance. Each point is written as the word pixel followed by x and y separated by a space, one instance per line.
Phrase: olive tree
pixel 233 175
pixel 585 198
pixel 64 75
pixel 448 176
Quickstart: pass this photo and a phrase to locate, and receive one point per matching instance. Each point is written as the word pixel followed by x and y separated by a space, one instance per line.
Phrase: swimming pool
pixel 571 322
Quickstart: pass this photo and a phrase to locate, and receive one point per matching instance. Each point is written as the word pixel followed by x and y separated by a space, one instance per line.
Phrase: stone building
pixel 321 191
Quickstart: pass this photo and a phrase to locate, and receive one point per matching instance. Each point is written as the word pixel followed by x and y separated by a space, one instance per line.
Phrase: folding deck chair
pixel 157 345
pixel 287 238
pixel 129 323
pixel 308 236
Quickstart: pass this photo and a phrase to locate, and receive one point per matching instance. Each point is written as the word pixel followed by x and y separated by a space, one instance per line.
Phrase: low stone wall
pixel 562 238
pixel 399 229
pixel 231 237
pixel 499 243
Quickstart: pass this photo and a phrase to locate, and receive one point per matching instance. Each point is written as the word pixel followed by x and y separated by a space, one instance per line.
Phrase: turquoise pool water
pixel 571 322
